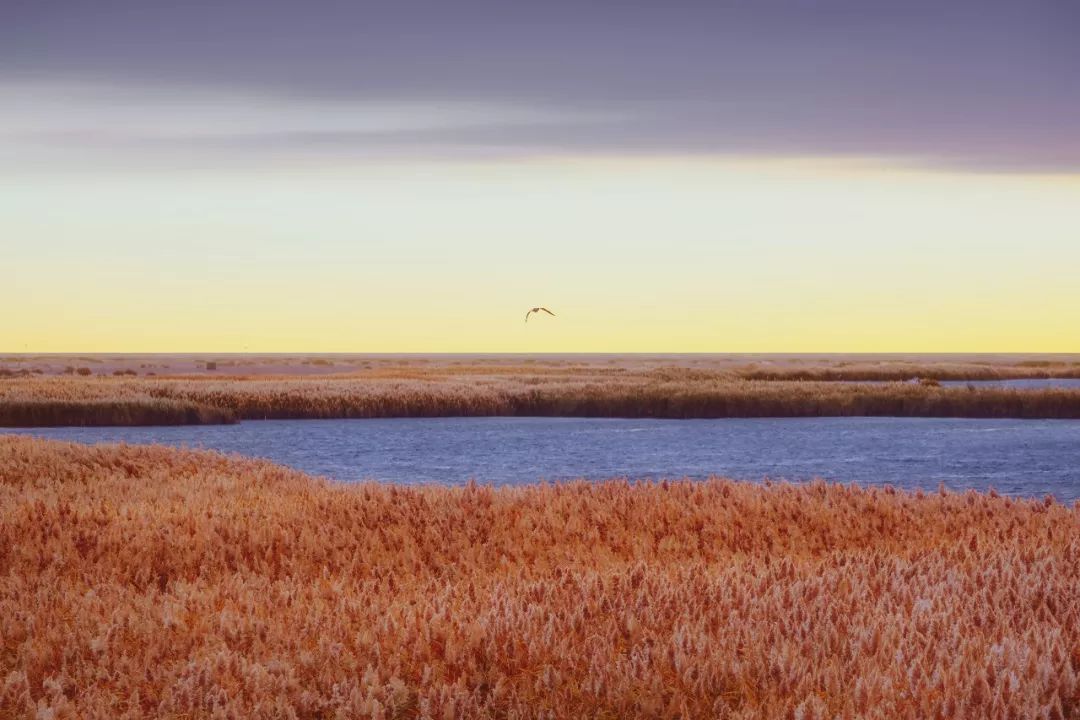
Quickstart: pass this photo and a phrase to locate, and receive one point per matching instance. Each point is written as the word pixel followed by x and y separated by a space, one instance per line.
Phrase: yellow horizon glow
pixel 663 254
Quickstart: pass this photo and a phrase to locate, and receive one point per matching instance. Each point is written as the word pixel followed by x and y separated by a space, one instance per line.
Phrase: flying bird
pixel 537 310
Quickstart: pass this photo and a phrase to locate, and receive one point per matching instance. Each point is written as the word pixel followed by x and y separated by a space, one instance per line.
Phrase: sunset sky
pixel 412 176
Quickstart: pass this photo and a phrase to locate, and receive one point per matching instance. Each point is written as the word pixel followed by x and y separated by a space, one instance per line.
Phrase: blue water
pixel 1018 457
pixel 1019 383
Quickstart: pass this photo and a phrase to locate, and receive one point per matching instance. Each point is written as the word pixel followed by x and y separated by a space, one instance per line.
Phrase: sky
pixel 776 175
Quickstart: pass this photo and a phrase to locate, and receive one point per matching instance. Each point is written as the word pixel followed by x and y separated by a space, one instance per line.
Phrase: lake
pixel 1019 383
pixel 1017 457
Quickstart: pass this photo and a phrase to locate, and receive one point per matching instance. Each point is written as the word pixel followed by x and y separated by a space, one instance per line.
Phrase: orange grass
pixel 443 390
pixel 150 582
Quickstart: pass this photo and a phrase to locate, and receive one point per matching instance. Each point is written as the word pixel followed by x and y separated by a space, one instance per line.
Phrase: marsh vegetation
pixel 144 581
pixel 422 388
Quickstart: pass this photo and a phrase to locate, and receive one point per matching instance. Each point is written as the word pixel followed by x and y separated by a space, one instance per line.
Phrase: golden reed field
pixel 617 387
pixel 150 582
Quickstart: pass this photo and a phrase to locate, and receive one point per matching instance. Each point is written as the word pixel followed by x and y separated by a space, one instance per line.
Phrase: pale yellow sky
pixel 660 254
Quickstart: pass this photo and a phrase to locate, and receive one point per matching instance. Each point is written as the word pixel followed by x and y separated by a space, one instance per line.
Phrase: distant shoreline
pixel 621 388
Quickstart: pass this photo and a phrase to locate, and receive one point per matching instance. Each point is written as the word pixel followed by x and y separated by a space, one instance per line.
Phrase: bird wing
pixel 527 315
pixel 548 311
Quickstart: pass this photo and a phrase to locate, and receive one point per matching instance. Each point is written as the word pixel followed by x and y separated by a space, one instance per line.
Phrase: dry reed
pixel 150 582
pixel 897 370
pixel 414 391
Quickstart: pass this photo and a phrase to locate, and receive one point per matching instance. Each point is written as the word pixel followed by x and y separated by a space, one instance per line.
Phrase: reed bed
pixel 897 371
pixel 819 367
pixel 150 582
pixel 437 392
pixel 128 411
